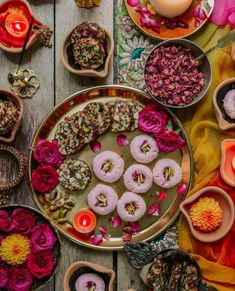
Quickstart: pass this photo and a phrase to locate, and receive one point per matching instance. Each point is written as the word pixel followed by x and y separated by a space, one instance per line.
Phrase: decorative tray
pixel 169 200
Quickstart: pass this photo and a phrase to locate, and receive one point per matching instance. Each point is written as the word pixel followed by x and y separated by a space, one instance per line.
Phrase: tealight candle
pixel 170 8
pixel 84 221
pixel 17 25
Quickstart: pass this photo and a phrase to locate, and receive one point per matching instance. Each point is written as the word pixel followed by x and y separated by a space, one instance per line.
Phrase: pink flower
pixel 42 264
pixel 169 141
pixel 3 276
pixel 152 121
pixel 42 239
pixel 222 12
pixel 47 152
pixel 44 178
pixel 23 220
pixel 5 221
pixel 20 279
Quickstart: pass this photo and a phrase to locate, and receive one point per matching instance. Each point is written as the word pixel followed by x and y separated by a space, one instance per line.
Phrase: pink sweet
pixel 85 282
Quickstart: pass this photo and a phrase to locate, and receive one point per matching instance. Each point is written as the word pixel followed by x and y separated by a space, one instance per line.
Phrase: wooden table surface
pixel 56 85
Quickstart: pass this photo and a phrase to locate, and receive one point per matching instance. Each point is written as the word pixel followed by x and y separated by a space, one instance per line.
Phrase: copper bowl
pixel 8 95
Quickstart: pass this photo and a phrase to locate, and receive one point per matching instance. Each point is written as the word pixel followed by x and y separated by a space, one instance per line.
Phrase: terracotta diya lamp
pixel 224 120
pixel 80 268
pixel 226 207
pixel 227 167
pixel 84 221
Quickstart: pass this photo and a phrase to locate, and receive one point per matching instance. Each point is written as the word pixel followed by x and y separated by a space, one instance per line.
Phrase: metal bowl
pixel 205 68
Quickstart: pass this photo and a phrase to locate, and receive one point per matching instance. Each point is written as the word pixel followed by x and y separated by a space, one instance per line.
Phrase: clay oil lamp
pixel 227 167
pixel 84 221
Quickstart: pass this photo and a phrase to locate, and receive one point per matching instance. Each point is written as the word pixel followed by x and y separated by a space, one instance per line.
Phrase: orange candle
pixel 84 221
pixel 17 25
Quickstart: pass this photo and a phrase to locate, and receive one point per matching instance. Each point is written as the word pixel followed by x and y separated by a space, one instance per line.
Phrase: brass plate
pixel 150 226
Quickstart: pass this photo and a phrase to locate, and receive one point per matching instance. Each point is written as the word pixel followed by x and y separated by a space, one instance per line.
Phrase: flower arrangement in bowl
pixel 30 248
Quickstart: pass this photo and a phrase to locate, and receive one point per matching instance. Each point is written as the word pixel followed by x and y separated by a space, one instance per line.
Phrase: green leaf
pixel 169 125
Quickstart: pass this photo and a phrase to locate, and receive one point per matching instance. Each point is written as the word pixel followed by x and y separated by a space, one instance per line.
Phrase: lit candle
pixel 84 221
pixel 17 25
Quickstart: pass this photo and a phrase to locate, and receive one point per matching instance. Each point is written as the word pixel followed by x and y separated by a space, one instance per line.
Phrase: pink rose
pixel 20 279
pixel 23 220
pixel 3 275
pixel 5 221
pixel 152 121
pixel 44 178
pixel 47 152
pixel 42 239
pixel 41 264
pixel 169 141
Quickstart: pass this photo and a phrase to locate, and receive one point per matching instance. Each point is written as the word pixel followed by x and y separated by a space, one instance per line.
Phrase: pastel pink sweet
pixel 167 173
pixel 86 281
pixel 131 207
pixel 138 178
pixel 108 166
pixel 229 103
pixel 144 149
pixel 102 199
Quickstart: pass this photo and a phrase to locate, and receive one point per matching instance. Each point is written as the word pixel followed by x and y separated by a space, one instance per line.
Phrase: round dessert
pixel 229 103
pixel 84 125
pixel 9 115
pixel 74 175
pixel 138 178
pixel 144 149
pixel 108 166
pixel 89 282
pixel 167 173
pixel 67 139
pixel 102 116
pixel 135 108
pixel 206 214
pixel 131 207
pixel 89 53
pixel 121 115
pixel 102 199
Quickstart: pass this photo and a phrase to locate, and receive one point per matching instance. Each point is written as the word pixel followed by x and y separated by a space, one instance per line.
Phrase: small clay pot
pixel 226 205
pixel 19 104
pixel 224 121
pixel 32 39
pixel 227 166
pixel 102 73
pixel 81 267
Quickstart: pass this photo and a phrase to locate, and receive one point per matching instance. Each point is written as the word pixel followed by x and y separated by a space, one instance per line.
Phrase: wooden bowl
pixel 81 267
pixel 19 104
pixel 226 205
pixel 32 39
pixel 227 166
pixel 87 73
pixel 224 121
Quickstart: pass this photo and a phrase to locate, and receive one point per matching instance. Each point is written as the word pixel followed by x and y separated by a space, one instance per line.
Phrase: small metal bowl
pixel 205 68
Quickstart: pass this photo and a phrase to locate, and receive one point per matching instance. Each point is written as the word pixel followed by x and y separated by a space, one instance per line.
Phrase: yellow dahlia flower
pixel 206 214
pixel 14 249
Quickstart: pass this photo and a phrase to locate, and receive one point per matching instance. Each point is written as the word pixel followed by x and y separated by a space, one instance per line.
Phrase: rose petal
pixel 103 230
pixel 95 146
pixel 122 140
pixel 181 189
pixel 202 14
pixel 96 239
pixel 197 22
pixel 133 3
pixel 127 228
pixel 161 196
pixel 116 221
pixel 135 227
pixel 153 210
pixel 126 237
pixel 231 20
pixel 196 11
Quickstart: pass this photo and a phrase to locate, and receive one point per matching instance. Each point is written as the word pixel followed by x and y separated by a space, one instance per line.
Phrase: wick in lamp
pixel 84 221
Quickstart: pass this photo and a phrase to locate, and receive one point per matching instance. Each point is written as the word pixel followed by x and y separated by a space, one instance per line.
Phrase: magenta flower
pixel 20 279
pixel 3 276
pixel 42 239
pixel 169 141
pixel 5 221
pixel 23 221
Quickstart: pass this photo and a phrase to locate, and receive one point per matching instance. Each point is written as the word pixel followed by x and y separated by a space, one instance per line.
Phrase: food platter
pixel 150 226
pixel 163 28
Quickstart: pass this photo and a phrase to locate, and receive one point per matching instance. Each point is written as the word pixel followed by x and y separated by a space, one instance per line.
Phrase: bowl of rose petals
pixel 174 77
pixel 30 249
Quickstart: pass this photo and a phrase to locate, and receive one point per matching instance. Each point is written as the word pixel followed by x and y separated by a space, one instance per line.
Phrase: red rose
pixel 42 239
pixel 44 178
pixel 47 152
pixel 3 275
pixel 152 120
pixel 169 141
pixel 5 221
pixel 20 279
pixel 23 220
pixel 41 264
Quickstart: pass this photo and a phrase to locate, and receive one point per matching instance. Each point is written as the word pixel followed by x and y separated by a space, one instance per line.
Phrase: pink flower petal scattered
pixel 133 3
pixel 150 23
pixel 196 11
pixel 153 210
pixel 202 14
pixel 127 228
pixel 161 196
pixel 103 230
pixel 96 239
pixel 126 237
pixel 135 227
pixel 95 146
pixel 122 140
pixel 197 22
pixel 181 189
pixel 116 221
